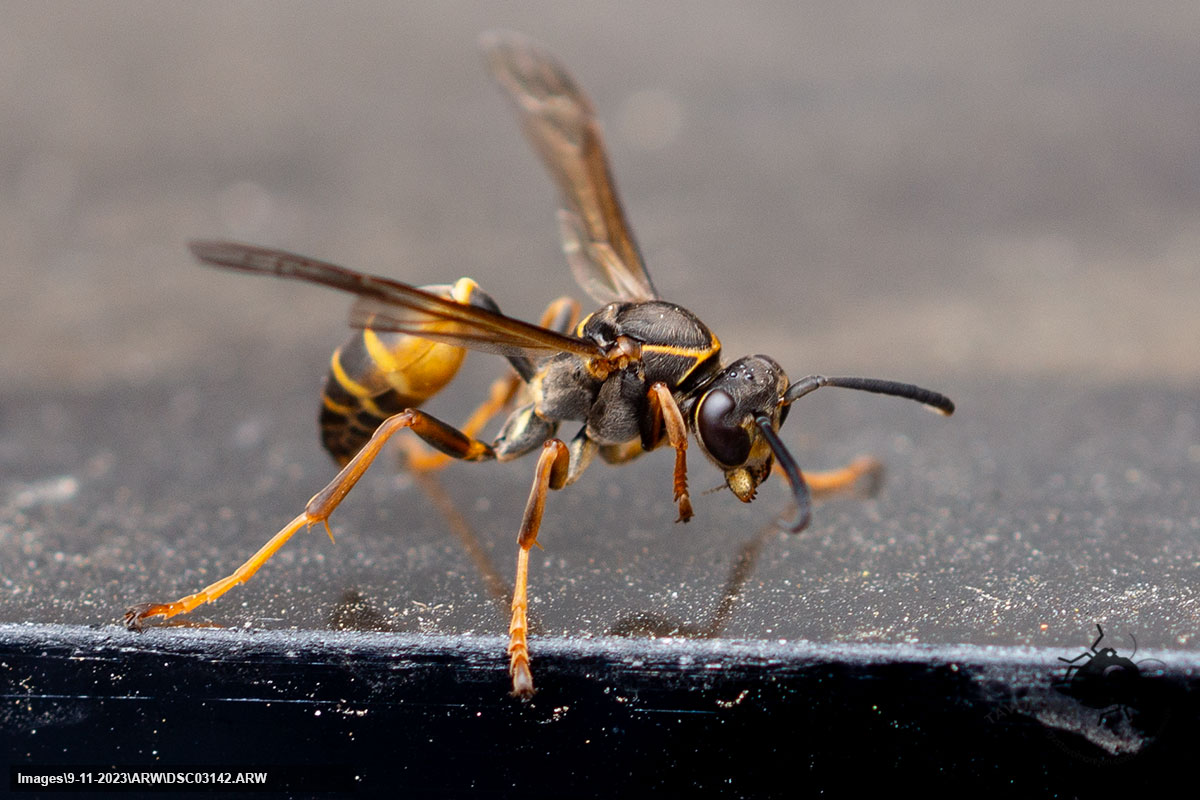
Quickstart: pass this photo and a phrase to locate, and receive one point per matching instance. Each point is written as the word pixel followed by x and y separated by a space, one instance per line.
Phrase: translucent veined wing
pixel 391 306
pixel 560 123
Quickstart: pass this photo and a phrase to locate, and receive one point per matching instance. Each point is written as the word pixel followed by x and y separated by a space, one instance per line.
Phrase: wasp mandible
pixel 638 373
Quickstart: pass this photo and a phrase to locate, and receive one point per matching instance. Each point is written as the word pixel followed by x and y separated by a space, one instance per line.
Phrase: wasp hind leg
pixel 433 431
pixel 500 397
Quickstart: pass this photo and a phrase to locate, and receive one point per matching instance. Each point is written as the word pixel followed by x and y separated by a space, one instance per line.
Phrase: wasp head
pixel 736 419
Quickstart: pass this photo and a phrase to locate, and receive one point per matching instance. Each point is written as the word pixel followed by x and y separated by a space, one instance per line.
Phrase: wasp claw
pixel 135 614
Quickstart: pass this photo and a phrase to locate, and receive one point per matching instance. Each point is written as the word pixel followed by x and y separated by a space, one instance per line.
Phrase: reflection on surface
pixel 652 624
pixel 497 587
pixel 861 478
pixel 354 611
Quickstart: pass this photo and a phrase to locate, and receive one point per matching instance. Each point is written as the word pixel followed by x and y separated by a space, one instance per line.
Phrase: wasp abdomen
pixel 374 375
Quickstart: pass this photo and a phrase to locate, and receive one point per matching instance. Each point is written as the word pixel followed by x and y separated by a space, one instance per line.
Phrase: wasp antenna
pixel 795 478
pixel 934 400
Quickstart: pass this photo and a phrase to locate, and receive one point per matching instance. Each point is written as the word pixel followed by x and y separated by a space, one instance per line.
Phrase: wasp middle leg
pixel 553 472
pixel 558 466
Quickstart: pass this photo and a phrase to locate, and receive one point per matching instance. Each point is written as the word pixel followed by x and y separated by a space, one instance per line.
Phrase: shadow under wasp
pixel 638 373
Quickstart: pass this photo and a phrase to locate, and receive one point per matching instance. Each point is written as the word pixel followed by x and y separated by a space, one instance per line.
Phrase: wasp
pixel 637 374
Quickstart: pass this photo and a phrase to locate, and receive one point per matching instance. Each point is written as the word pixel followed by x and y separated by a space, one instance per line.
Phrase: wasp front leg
pixel 433 431
pixel 665 413
pixel 661 421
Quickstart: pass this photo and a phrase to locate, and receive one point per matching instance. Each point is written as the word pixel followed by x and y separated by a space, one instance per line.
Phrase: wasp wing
pixel 560 122
pixel 391 306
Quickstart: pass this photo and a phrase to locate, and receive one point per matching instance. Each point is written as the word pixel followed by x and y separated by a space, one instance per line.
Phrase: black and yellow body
pixel 638 373
pixel 375 375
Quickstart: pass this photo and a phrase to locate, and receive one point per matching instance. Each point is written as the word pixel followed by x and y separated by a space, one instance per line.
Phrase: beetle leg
pixel 1073 660
pixel 435 432
pixel 552 470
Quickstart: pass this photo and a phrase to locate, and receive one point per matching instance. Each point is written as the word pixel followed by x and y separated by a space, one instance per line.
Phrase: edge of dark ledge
pixel 432 713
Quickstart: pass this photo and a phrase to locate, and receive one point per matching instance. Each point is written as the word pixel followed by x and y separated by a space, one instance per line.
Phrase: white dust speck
pixel 51 490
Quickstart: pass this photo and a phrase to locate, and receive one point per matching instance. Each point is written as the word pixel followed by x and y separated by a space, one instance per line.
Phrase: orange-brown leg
pixel 322 505
pixel 863 475
pixel 134 615
pixel 552 469
pixel 500 395
pixel 664 410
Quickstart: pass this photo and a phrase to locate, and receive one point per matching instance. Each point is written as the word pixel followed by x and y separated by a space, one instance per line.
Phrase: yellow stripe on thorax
pixel 676 350
pixel 697 354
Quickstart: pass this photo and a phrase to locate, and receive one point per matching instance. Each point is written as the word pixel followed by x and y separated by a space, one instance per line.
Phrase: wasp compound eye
pixel 723 438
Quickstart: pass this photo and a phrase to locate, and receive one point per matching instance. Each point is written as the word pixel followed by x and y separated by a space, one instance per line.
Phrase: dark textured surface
pixel 1000 206
pixel 1001 525
pixel 420 714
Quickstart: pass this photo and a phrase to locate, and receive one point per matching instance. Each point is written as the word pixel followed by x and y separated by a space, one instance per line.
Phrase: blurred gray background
pixel 1001 203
